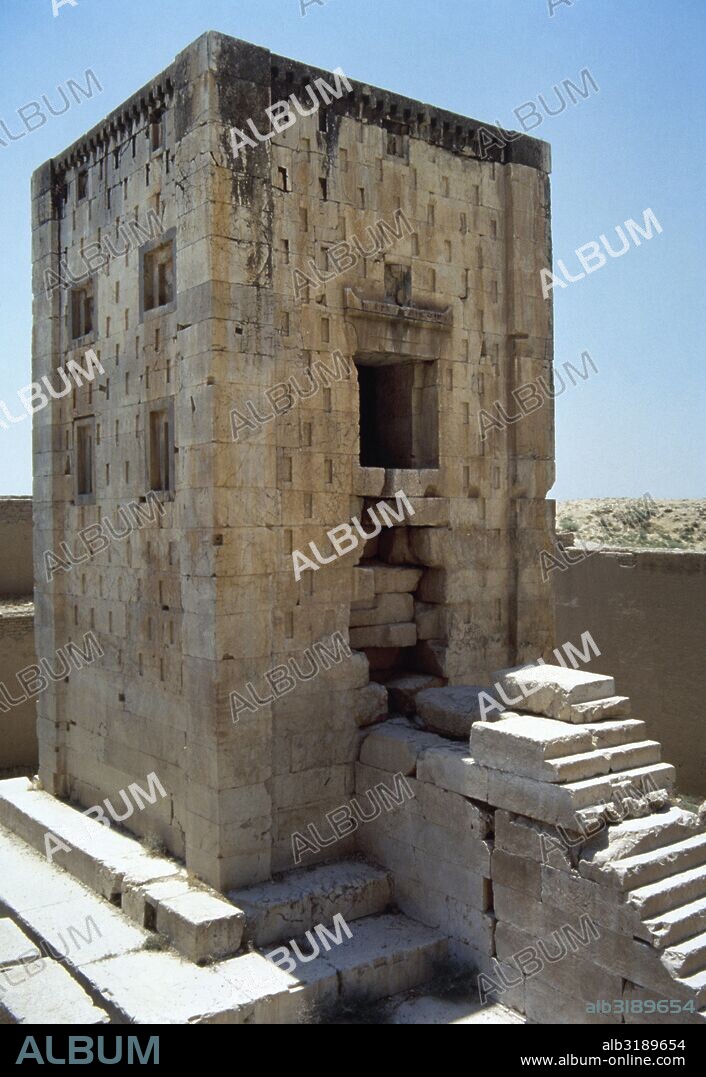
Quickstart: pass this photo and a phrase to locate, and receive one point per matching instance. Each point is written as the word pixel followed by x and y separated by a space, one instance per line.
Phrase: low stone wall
pixel 18 724
pixel 18 733
pixel 644 610
pixel 16 573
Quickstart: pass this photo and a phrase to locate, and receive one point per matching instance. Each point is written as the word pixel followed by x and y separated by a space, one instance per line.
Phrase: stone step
pixel 552 690
pixel 35 989
pixel 599 791
pixel 668 894
pixel 200 924
pixel 96 855
pixel 598 710
pixel 521 743
pixel 576 805
pixel 631 872
pixel 62 916
pixel 678 924
pixel 687 957
pixel 616 732
pixel 15 947
pixel 157 892
pixel 632 836
pixel 292 905
pixel 48 995
pixel 695 985
pixel 105 956
pixel 384 955
pixel 547 750
pixel 605 761
pixel 432 1010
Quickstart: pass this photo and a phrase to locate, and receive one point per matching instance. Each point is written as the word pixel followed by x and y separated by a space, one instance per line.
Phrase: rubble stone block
pixel 395 746
pixel 450 711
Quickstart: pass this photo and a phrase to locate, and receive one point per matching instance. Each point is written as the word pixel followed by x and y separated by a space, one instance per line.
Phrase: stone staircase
pixel 104 932
pixel 557 812
pixel 571 764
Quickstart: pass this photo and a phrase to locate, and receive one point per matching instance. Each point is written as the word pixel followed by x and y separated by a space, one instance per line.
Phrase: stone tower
pixel 301 292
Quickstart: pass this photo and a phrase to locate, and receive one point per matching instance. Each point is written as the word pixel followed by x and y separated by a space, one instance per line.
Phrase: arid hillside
pixel 640 522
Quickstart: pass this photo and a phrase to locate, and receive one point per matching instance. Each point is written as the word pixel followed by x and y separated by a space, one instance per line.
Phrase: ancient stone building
pixel 367 280
pixel 296 571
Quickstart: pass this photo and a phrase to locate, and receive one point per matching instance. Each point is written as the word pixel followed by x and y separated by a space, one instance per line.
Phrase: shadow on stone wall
pixel 18 736
pixel 645 611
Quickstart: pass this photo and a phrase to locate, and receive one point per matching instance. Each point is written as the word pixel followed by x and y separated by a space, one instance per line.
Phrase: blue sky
pixel 636 425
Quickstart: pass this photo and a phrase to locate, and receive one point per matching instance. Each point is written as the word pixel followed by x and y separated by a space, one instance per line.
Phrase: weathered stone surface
pixel 195 994
pixel 549 1005
pixel 394 578
pixel 633 836
pixel 386 609
pixel 637 1013
pixel 452 767
pixel 395 746
pixel 574 974
pixel 574 804
pixel 303 898
pixel 15 947
pixel 517 873
pixel 611 707
pixel 429 512
pixel 403 691
pixel 552 690
pixel 72 921
pixel 667 894
pixel 428 1010
pixel 47 996
pixel 386 955
pixel 388 635
pixel 370 704
pixel 525 837
pixel 451 810
pixel 289 409
pixel 678 924
pixel 520 743
pixel 200 926
pixel 573 894
pixel 684 958
pixel 94 853
pixel 450 711
pixel 631 872
pixel 363 586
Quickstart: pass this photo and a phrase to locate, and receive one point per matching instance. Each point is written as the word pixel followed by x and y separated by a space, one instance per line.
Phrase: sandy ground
pixel 641 522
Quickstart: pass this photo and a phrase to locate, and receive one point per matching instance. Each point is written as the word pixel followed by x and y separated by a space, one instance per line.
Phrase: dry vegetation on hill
pixel 635 522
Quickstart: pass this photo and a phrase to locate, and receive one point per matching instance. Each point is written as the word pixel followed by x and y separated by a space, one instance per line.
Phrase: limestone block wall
pixel 18 737
pixel 200 601
pixel 139 707
pixel 477 231
pixel 644 609
pixel 16 573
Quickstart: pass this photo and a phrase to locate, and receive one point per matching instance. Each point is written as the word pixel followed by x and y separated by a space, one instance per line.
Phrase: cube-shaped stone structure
pixel 298 311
